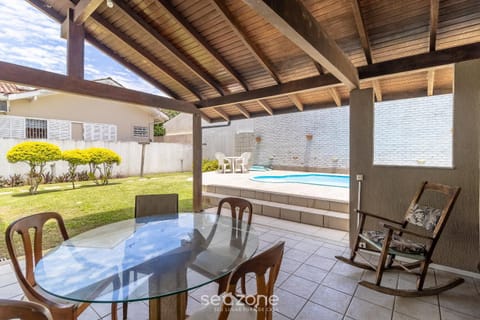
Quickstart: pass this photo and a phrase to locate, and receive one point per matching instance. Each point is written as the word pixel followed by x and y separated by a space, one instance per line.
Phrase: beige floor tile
pixel 136 311
pixel 401 316
pixel 289 304
pixel 192 306
pixel 299 286
pixel 389 279
pixel 363 310
pixel 306 246
pixel 10 291
pixel 347 270
pixel 89 314
pixel 340 283
pixel 297 255
pixel 416 308
pixel 282 276
pixel 462 299
pixel 408 282
pixel 289 265
pixel 269 237
pixel 315 311
pixel 311 273
pixel 452 315
pixel 375 297
pixel 332 299
pixel 320 262
pixel 278 316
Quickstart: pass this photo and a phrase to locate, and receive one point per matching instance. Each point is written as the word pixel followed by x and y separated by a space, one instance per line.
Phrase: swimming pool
pixel 321 179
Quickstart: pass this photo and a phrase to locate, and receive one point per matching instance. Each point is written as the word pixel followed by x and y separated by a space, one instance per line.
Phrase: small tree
pixel 102 159
pixel 36 155
pixel 75 158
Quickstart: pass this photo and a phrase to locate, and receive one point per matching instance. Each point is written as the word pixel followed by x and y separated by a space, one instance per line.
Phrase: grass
pixel 89 205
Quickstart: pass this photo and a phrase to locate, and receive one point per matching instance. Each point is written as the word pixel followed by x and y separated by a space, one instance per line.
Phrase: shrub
pixel 209 165
pixel 75 158
pixel 101 160
pixel 36 155
pixel 83 176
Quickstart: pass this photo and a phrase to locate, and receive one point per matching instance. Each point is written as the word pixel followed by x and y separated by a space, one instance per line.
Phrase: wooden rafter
pixel 75 47
pixel 335 96
pixel 59 18
pixel 58 82
pixel 430 82
pixel 434 8
pixel 265 106
pixel 242 110
pixel 147 55
pixel 362 31
pixel 252 47
pixel 295 22
pixel 296 101
pixel 165 43
pixel 84 9
pixel 202 41
pixel 377 89
pixel 222 114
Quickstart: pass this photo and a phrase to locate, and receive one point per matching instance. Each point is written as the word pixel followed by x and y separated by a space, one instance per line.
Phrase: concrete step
pixel 292 212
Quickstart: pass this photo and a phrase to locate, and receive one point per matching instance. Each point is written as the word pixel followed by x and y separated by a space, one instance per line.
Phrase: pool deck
pixel 242 180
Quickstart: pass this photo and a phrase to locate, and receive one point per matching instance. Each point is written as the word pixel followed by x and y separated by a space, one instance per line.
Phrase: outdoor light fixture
pixel 110 3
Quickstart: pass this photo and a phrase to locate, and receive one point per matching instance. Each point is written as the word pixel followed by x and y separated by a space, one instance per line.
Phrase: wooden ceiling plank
pixel 58 82
pixel 265 106
pixel 335 96
pixel 145 53
pixel 295 22
pixel 362 31
pixel 296 101
pixel 84 9
pixel 430 82
pixel 202 41
pixel 222 9
pixel 278 90
pixel 204 116
pixel 242 110
pixel 187 62
pixel 75 47
pixel 222 114
pixel 377 89
pixel 434 9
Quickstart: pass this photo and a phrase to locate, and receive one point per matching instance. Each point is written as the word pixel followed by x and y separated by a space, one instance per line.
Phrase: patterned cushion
pixel 423 216
pixel 398 243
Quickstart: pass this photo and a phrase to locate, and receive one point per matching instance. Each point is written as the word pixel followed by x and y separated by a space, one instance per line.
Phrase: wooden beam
pixel 147 55
pixel 167 45
pixel 84 9
pixel 202 41
pixel 421 61
pixel 297 24
pixel 296 101
pixel 222 113
pixel 296 86
pixel 75 47
pixel 242 110
pixel 377 89
pixel 430 82
pixel 362 31
pixel 335 96
pixel 434 8
pixel 58 82
pixel 265 106
pixel 204 116
pixel 49 11
pixel 197 162
pixel 222 9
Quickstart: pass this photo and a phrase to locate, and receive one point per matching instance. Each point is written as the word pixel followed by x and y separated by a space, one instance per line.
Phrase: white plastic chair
pixel 222 162
pixel 243 161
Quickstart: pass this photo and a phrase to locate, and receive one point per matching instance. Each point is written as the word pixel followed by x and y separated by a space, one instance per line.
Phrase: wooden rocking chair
pixel 390 242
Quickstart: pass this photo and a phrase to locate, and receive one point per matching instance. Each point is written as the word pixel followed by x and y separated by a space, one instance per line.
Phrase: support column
pixel 197 162
pixel 75 47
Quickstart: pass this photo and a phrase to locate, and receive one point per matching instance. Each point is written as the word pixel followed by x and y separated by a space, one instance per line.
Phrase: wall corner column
pixel 197 162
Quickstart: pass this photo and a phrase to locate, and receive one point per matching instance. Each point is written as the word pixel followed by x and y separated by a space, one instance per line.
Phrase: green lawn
pixel 89 205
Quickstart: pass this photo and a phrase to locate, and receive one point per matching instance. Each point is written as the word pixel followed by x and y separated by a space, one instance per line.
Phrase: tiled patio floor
pixel 313 285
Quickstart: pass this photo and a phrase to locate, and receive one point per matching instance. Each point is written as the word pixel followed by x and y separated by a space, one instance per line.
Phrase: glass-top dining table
pixel 157 258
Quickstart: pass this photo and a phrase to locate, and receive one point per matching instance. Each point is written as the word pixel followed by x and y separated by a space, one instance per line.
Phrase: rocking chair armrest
pixel 368 214
pixel 403 230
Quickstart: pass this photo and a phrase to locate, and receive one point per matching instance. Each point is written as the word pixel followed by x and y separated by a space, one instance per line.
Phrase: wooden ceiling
pixel 237 59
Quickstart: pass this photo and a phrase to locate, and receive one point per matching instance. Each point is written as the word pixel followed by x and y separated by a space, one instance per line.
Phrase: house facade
pixel 49 115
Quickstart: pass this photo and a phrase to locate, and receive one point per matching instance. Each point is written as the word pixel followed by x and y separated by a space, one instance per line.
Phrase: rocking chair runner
pixel 391 242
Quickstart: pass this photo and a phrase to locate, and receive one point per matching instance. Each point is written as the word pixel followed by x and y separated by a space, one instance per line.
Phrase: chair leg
pixel 383 258
pixel 125 310
pixel 423 275
pixel 391 259
pixel 222 284
pixel 114 311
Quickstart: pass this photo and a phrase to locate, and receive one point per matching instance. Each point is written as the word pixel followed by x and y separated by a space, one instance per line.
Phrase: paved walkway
pixel 313 285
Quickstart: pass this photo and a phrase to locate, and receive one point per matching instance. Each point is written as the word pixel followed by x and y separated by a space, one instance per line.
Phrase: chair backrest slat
pixel 238 206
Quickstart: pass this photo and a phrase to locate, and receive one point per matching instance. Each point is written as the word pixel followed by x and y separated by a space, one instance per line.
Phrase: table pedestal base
pixel 168 308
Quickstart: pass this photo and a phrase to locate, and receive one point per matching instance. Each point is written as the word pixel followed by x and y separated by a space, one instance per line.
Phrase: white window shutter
pixel 59 130
pixel 17 127
pixel 113 133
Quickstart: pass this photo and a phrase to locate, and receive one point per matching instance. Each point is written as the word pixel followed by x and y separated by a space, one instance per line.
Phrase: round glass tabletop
pixel 146 258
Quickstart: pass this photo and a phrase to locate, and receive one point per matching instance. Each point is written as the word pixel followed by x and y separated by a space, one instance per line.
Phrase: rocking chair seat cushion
pixel 398 243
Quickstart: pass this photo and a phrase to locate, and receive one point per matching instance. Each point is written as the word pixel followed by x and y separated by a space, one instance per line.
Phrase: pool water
pixel 321 179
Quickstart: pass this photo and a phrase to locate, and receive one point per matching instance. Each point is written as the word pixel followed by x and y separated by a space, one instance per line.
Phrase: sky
pixel 30 38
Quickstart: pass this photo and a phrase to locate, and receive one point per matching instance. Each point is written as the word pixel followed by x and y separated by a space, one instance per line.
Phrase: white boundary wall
pixel 159 157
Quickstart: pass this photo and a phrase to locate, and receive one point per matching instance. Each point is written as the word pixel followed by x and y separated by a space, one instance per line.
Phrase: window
pixel 35 129
pixel 99 132
pixel 140 131
pixel 414 132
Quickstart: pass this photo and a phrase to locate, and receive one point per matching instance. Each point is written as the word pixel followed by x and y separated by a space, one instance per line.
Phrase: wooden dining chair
pixel 395 240
pixel 23 310
pixel 248 306
pixel 154 204
pixel 27 227
pixel 238 207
